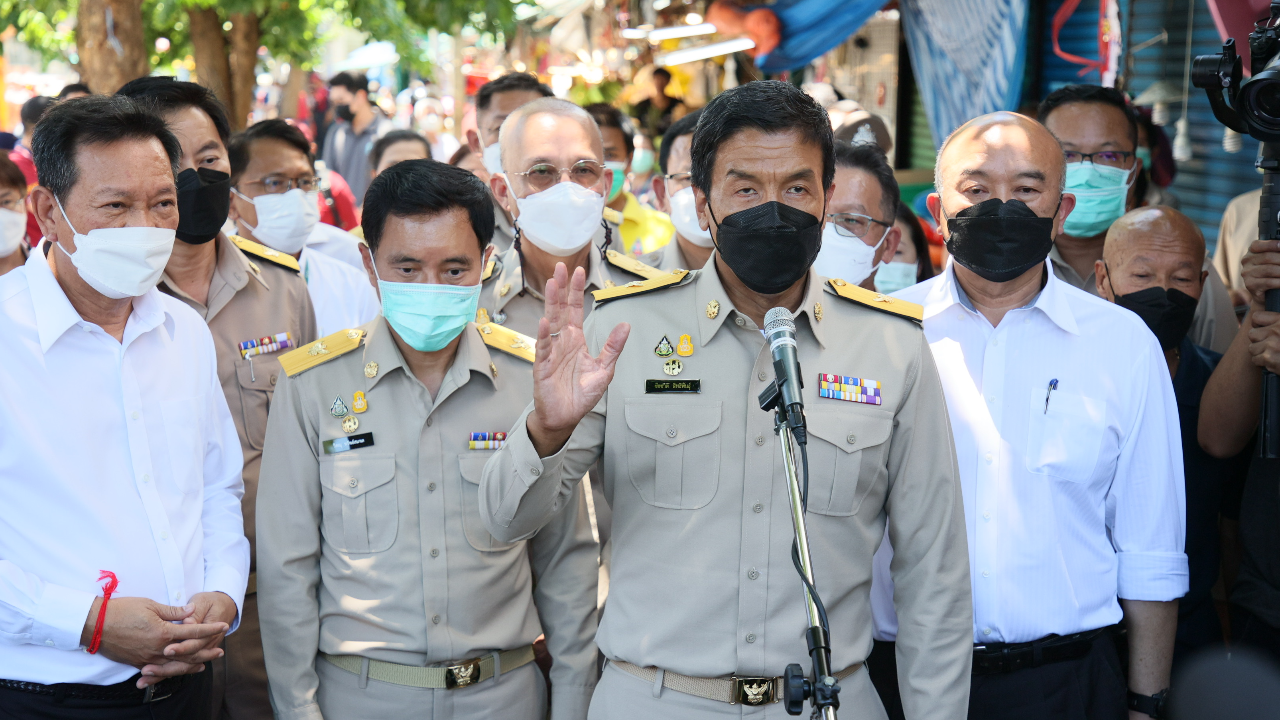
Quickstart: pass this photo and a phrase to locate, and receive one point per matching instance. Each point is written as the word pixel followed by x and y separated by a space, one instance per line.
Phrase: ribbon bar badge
pixel 850 389
pixel 264 345
pixel 487 440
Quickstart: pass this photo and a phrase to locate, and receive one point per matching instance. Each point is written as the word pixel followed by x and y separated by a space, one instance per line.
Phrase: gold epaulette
pixel 488 268
pixel 875 300
pixel 259 250
pixel 504 338
pixel 639 287
pixel 320 351
pixel 358 231
pixel 632 265
pixel 613 216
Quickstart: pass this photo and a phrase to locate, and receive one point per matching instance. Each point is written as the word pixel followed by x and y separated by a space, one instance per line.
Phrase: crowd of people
pixel 340 427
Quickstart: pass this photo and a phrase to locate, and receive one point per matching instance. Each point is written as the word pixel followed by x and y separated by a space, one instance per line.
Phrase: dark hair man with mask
pixel 702 583
pixel 1099 137
pixel 641 229
pixel 690 246
pixel 385 597
pixel 1066 431
pixel 358 123
pixel 1153 264
pixel 860 233
pixel 257 308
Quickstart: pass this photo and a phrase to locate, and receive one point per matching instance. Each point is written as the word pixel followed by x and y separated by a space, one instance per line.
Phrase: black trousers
pixel 190 702
pixel 882 668
pixel 1252 631
pixel 1091 688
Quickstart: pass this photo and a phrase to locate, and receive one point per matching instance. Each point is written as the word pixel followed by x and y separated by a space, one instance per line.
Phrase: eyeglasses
pixel 14 204
pixel 854 224
pixel 1110 158
pixel 277 184
pixel 542 176
pixel 680 180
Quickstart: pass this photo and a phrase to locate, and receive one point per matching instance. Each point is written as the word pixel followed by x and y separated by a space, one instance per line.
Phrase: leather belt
pixel 121 692
pixel 733 689
pixel 463 674
pixel 1001 658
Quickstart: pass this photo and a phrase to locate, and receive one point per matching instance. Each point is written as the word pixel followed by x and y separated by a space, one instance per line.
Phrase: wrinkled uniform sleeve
pixel 288 525
pixel 1147 503
pixel 930 566
pixel 565 560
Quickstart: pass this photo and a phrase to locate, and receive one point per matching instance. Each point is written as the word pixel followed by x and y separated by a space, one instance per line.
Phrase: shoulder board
pixel 505 339
pixel 639 287
pixel 632 265
pixel 259 250
pixel 488 268
pixel 613 216
pixel 875 300
pixel 320 351
pixel 357 231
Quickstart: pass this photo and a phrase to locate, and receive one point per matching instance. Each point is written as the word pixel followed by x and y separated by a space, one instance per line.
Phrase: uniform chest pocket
pixel 470 468
pixel 1064 441
pixel 673 451
pixel 257 384
pixel 358 501
pixel 847 456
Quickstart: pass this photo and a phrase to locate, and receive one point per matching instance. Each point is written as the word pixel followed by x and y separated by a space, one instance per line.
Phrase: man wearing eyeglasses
pixel 1099 137
pixel 859 233
pixel 690 245
pixel 273 202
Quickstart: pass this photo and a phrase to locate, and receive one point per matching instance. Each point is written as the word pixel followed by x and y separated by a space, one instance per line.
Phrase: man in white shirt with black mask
pixel 1066 432
pixel 123 547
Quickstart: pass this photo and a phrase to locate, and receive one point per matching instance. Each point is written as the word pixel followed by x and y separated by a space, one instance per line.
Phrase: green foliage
pixel 47 26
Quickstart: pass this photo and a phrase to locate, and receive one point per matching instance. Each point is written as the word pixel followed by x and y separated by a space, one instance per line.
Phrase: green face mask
pixel 428 317
pixel 1101 195
pixel 1144 154
pixel 619 177
pixel 642 161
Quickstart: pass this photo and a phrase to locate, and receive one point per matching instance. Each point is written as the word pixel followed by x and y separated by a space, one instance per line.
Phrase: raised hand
pixel 567 381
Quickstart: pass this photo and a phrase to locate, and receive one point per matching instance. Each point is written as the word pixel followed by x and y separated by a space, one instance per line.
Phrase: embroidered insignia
pixel 318 349
pixel 371 370
pixel 713 309
pixel 358 403
pixel 350 423
pixel 817 311
pixel 685 347
pixel 664 348
pixel 672 367
pixel 338 408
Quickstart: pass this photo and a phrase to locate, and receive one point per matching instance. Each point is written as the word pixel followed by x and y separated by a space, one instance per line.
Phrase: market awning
pixel 376 54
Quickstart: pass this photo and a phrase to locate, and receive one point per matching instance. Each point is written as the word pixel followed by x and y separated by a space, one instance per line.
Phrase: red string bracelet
pixel 107 591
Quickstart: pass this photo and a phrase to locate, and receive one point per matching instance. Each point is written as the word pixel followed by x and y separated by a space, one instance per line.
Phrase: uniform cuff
pixel 1152 576
pixel 232 583
pixel 570 703
pixel 305 712
pixel 60 617
pixel 529 468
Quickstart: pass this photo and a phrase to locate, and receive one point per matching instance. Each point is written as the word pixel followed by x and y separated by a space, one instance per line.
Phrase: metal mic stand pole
pixel 1269 229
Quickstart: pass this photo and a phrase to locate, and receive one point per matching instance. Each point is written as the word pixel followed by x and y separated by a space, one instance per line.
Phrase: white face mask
pixel 684 215
pixel 847 258
pixel 560 220
pixel 120 262
pixel 13 229
pixel 285 220
pixel 894 276
pixel 492 159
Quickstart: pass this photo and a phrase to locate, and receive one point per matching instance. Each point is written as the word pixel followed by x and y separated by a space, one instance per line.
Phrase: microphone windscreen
pixel 776 318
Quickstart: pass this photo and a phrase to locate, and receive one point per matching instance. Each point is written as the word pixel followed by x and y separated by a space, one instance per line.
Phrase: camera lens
pixel 1267 100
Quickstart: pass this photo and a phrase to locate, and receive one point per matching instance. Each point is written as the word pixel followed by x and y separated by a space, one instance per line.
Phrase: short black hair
pixel 426 187
pixel 34 109
pixel 391 138
pixel 683 126
pixel 511 82
pixel 11 176
pixel 96 119
pixel 163 95
pixel 608 116
pixel 74 88
pixel 460 154
pixel 772 106
pixel 924 263
pixel 1087 94
pixel 663 72
pixel 872 160
pixel 354 83
pixel 238 148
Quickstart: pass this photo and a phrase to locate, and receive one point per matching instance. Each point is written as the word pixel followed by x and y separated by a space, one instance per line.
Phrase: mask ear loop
pixel 241 219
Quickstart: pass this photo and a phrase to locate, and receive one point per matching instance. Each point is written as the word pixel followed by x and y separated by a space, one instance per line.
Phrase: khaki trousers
pixel 240 677
pixel 621 696
pixel 517 695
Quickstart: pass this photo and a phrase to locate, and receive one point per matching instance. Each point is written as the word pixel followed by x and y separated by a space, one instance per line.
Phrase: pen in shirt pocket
pixel 1053 385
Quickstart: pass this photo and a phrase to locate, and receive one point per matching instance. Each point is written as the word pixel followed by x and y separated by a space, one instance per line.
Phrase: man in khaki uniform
pixel 690 245
pixel 257 307
pixel 384 594
pixel 705 606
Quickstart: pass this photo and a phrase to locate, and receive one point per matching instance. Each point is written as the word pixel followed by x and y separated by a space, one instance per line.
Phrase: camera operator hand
pixel 1260 268
pixel 1264 340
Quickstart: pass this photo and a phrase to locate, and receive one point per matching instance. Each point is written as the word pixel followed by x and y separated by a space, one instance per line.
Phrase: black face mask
pixel 204 197
pixel 999 240
pixel 1167 312
pixel 343 112
pixel 770 246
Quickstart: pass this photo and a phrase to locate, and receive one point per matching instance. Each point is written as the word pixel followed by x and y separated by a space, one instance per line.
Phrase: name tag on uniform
pixel 673 386
pixel 343 444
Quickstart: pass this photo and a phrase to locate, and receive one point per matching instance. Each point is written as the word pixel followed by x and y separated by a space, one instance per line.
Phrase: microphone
pixel 780 330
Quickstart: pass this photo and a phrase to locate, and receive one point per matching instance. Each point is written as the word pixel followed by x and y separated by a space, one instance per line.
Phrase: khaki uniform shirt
pixel 702 581
pixel 380 551
pixel 669 257
pixel 250 297
pixel 503 232
pixel 1238 229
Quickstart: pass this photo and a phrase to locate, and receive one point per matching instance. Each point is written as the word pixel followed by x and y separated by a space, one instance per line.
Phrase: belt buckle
pixel 752 690
pixel 150 696
pixel 462 674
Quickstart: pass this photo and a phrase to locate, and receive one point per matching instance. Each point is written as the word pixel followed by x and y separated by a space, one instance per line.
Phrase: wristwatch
pixel 1152 705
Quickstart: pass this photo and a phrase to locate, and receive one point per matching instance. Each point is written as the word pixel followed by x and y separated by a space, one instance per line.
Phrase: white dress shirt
pixel 341 295
pixel 337 244
pixel 117 456
pixel 1069 508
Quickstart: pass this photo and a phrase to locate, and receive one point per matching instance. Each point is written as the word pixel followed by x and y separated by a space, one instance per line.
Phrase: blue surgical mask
pixel 619 177
pixel 642 161
pixel 428 317
pixel 1144 154
pixel 894 276
pixel 1101 196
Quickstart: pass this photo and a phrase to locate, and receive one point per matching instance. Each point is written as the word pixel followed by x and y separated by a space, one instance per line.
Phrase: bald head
pixel 1150 247
pixel 543 118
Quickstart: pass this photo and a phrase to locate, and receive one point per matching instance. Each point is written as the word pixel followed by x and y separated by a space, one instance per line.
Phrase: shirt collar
pixel 512 275
pixel 1051 300
pixel 230 276
pixel 472 356
pixel 708 289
